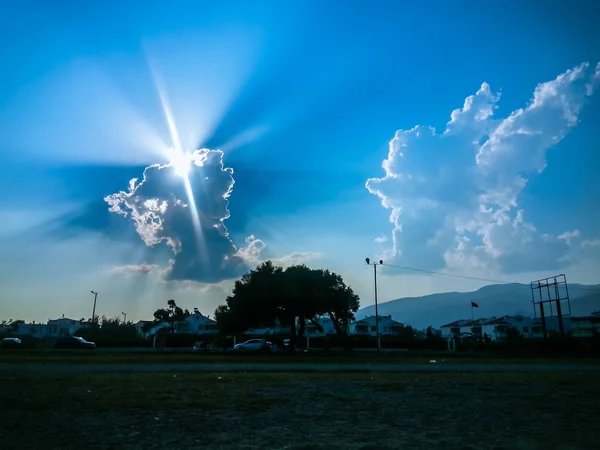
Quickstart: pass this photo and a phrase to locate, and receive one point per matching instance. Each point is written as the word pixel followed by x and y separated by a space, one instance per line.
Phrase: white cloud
pixel 297 258
pixel 381 239
pixel 592 243
pixel 188 216
pixel 132 269
pixel 454 197
pixel 251 253
pixel 568 236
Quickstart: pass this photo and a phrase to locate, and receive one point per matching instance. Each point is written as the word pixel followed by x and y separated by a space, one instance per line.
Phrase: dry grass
pixel 118 357
pixel 299 411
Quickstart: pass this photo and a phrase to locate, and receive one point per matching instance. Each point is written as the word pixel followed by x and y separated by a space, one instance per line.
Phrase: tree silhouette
pixel 294 296
pixel 171 314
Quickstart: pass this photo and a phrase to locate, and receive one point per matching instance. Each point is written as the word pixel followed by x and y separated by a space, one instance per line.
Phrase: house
pixel 456 328
pixel 536 329
pixel 326 325
pixel 585 326
pixel 53 328
pixel 64 327
pixel 495 327
pixel 312 329
pixel 196 323
pixel 368 326
pixel 36 330
pixel 6 327
pixel 141 326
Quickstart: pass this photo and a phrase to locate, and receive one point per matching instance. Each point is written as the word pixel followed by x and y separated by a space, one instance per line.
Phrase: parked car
pixel 10 342
pixel 252 345
pixel 74 342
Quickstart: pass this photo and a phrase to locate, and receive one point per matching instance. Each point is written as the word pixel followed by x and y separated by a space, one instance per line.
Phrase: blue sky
pixel 313 105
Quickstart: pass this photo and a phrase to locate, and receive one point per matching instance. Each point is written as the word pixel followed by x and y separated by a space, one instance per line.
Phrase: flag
pixel 474 305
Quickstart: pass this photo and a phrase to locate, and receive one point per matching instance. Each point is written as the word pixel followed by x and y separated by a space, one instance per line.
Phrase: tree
pixel 171 314
pixel 109 332
pixel 256 300
pixel 294 296
pixel 407 333
pixel 429 335
pixel 513 335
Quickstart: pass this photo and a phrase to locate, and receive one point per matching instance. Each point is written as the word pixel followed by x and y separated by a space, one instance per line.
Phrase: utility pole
pixel 94 310
pixel 124 317
pixel 375 264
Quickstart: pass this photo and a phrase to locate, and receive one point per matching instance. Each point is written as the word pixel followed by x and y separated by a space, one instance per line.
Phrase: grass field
pixel 118 357
pixel 299 411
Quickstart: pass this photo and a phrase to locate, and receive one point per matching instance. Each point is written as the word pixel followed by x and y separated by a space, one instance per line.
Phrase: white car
pixel 251 345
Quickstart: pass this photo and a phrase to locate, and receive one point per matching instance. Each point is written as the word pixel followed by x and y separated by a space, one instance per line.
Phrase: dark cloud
pixel 164 214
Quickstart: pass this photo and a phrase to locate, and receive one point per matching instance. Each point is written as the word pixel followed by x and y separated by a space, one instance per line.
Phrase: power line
pixel 490 280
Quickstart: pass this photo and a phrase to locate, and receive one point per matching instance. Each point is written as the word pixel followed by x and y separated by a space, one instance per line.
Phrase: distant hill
pixel 493 300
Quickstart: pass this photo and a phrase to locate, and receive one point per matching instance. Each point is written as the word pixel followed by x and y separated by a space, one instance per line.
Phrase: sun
pixel 180 162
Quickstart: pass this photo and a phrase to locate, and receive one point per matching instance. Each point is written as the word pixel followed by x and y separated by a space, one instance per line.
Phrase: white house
pixel 140 326
pixel 64 326
pixel 368 326
pixel 495 327
pixel 325 323
pixel 197 323
pixel 312 330
pixel 54 328
pixel 456 328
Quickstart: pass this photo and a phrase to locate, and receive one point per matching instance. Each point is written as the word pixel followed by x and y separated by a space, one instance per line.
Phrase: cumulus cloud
pixel 381 239
pixel 454 197
pixel 187 214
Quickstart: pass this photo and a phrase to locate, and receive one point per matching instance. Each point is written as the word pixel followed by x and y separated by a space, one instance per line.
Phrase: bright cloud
pixel 187 214
pixel 140 269
pixel 461 209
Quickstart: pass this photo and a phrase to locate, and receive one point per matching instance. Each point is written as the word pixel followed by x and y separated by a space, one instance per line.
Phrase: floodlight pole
pixel 375 264
pixel 94 310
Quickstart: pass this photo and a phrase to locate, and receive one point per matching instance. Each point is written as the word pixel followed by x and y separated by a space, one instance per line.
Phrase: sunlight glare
pixel 180 161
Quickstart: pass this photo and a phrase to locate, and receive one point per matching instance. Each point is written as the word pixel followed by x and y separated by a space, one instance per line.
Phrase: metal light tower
pixel 375 264
pixel 94 310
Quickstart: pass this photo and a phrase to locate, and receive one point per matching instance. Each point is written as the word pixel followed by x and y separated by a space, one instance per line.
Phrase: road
pixel 273 367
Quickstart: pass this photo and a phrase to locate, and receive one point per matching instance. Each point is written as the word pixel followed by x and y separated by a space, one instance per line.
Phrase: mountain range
pixel 492 300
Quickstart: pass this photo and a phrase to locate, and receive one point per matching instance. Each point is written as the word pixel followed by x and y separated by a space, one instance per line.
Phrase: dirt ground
pixel 299 411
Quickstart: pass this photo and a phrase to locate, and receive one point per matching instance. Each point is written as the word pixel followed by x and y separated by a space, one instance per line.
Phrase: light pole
pixel 124 317
pixel 94 310
pixel 375 264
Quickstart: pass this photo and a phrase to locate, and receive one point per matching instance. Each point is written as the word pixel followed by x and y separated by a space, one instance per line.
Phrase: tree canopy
pixel 293 296
pixel 171 314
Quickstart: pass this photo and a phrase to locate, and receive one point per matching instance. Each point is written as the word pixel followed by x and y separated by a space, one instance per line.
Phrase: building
pixel 141 326
pixel 64 327
pixel 52 329
pixel 368 326
pixel 196 323
pixel 585 326
pixel 496 327
pixel 319 327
